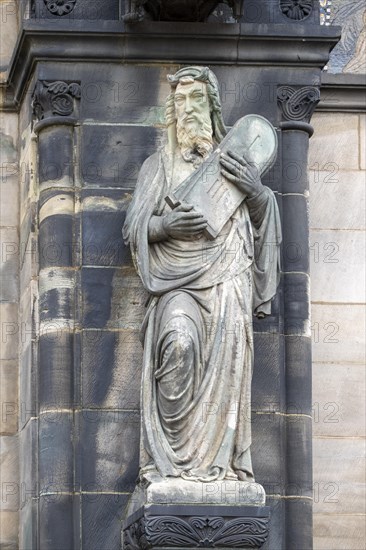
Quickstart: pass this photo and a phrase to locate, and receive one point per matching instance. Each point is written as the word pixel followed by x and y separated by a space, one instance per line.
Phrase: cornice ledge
pixel 114 41
pixel 343 92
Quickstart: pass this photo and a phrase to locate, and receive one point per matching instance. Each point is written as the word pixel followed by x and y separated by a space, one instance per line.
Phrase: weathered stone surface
pixel 56 470
pixel 111 368
pixel 58 243
pixel 27 229
pixel 9 264
pixel 9 205
pixel 267 449
pixel 59 521
pixel 338 400
pixel 28 452
pixel 276 535
pixel 29 266
pixel 8 135
pixel 9 460
pixel 298 375
pixel 296 308
pixel 267 384
pixel 299 452
pixel 29 318
pixel 27 383
pixel 294 170
pixel 55 164
pixel 337 266
pixel 57 294
pixel 295 226
pixel 109 446
pixel 59 370
pixel 339 532
pixel 299 512
pixel 9 523
pixel 336 136
pixel 27 167
pixel 183 492
pixel 339 475
pixel 27 525
pixel 126 94
pixel 102 519
pixel 8 397
pixel 9 331
pixel 8 17
pixel 112 298
pixel 111 156
pixel 338 333
pixel 337 199
pixel 103 215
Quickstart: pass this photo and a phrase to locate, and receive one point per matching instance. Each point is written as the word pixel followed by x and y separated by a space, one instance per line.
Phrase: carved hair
pixel 202 74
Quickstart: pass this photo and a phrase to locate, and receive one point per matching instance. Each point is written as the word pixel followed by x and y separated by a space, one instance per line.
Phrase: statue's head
pixel 194 109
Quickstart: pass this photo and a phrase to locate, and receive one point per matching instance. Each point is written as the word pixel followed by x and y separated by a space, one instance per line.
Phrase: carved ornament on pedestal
pixel 151 531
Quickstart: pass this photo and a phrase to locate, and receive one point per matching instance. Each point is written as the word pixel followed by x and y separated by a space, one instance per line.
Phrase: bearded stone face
pixel 194 126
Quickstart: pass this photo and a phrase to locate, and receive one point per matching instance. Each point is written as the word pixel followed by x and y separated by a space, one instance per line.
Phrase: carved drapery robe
pixel 197 332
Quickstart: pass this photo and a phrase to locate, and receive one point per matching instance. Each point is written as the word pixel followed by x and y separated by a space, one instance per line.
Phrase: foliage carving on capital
pixel 298 104
pixel 60 7
pixel 55 98
pixel 296 9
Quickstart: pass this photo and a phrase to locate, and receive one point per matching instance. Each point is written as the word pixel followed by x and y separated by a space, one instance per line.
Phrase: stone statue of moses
pixel 197 332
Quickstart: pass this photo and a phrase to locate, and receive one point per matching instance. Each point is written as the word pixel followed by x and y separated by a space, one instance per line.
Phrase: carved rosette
pixel 298 104
pixel 296 9
pixel 60 7
pixel 197 532
pixel 55 99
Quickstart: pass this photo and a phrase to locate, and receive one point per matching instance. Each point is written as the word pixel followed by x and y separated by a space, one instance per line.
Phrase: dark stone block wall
pixel 90 366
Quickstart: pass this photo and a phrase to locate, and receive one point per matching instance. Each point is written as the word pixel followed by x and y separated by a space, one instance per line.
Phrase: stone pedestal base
pixel 160 527
pixel 183 514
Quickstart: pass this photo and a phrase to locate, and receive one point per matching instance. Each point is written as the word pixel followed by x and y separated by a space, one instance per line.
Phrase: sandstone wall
pixel 9 296
pixel 337 244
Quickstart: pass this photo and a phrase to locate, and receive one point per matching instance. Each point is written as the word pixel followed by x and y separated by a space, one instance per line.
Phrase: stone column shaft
pixel 297 106
pixel 58 299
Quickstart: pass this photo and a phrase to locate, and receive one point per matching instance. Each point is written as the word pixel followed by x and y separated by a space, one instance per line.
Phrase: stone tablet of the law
pixel 209 191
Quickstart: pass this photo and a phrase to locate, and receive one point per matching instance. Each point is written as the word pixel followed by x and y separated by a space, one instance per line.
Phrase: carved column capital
pixel 52 99
pixel 298 104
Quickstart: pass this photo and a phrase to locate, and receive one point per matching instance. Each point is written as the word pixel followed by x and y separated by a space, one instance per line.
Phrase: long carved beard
pixel 195 138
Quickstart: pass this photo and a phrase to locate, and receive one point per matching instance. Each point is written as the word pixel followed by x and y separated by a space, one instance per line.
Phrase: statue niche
pixel 205 236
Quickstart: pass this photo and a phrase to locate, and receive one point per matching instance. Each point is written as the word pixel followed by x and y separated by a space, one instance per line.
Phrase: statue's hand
pixel 242 173
pixel 184 222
